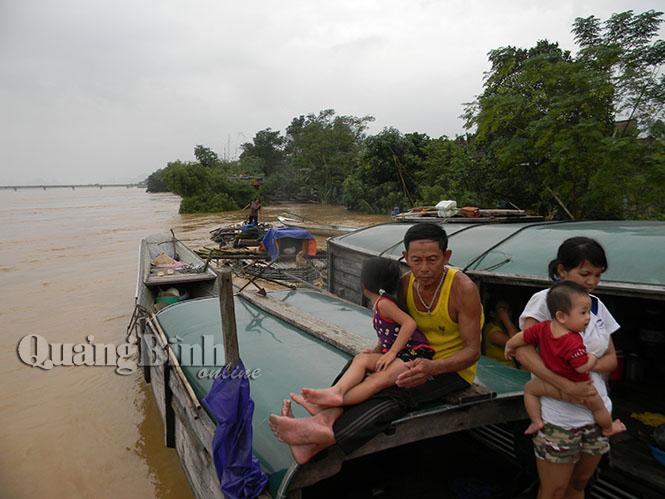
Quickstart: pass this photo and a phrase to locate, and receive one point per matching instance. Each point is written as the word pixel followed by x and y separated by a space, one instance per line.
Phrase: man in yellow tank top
pixel 446 306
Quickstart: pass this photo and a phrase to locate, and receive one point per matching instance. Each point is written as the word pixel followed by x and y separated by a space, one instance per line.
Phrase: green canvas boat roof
pixel 287 358
pixel 635 249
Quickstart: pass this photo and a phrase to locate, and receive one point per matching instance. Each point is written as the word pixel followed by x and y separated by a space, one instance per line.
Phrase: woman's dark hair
pixel 426 230
pixel 560 296
pixel 574 252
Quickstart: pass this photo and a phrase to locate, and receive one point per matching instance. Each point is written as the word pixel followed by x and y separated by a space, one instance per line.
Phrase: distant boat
pixel 463 215
pixel 317 229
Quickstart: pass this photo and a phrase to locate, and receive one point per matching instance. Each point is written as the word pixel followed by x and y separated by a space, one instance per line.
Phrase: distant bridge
pixel 69 186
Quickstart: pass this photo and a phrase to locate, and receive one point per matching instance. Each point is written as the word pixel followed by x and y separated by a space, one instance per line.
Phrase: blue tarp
pixel 238 470
pixel 271 237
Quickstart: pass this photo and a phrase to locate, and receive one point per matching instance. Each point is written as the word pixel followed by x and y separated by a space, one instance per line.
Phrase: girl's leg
pixel 354 375
pixel 554 479
pixel 582 472
pixel 374 383
pixel 603 417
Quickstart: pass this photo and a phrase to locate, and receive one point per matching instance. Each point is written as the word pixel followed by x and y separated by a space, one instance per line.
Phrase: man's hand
pixel 419 371
pixel 503 315
pixel 385 360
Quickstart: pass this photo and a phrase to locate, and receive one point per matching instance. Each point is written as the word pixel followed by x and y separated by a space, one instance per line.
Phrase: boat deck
pixel 289 358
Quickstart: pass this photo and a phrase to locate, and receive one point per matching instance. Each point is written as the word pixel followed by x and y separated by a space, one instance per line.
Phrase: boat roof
pixel 288 359
pixel 634 248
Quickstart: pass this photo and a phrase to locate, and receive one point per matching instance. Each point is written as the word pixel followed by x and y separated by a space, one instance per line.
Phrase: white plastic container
pixel 446 208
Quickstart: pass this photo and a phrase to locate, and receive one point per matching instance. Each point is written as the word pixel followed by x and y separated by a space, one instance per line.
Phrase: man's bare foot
pixel 325 397
pixel 534 427
pixel 303 453
pixel 617 427
pixel 300 431
pixel 310 407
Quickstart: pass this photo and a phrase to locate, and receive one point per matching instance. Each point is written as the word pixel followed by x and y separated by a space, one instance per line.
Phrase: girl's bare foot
pixel 617 427
pixel 310 407
pixel 286 408
pixel 324 397
pixel 534 427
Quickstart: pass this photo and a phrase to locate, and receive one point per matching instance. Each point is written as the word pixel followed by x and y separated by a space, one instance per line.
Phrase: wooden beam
pixel 228 311
pixel 332 334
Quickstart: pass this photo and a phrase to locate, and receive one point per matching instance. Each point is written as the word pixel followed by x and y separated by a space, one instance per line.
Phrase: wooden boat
pixel 192 270
pixel 462 215
pixel 228 233
pixel 510 260
pixel 314 228
pixel 296 338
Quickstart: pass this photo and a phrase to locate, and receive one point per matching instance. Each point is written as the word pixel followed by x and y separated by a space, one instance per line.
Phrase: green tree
pixel 206 156
pixel 322 150
pixel 154 182
pixel 205 189
pixel 266 150
pixel 386 172
pixel 449 171
pixel 185 179
pixel 540 121
pixel 625 45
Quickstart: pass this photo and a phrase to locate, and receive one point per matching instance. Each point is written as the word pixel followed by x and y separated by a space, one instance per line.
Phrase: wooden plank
pixel 143 353
pixel 202 427
pixel 196 460
pixel 175 365
pixel 413 429
pixel 228 311
pixel 332 334
pixel 177 279
pixel 348 294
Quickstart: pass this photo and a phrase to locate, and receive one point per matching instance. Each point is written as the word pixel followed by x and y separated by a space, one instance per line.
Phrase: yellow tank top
pixel 440 330
pixel 493 351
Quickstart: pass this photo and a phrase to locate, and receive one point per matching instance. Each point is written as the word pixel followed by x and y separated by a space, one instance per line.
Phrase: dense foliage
pixel 206 186
pixel 549 123
pixel 558 134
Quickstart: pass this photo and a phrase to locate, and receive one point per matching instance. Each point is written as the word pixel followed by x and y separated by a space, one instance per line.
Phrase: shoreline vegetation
pixel 559 135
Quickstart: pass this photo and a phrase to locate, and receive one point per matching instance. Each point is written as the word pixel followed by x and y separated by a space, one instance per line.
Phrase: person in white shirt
pixel 571 444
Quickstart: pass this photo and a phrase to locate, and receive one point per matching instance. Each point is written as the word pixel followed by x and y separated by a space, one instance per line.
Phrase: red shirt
pixel 561 355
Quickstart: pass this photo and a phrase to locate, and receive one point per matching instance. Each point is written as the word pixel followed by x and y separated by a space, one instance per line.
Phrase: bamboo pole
pixel 227 309
pixel 173 360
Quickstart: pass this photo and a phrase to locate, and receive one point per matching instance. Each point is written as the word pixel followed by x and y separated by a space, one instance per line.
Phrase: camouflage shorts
pixel 555 444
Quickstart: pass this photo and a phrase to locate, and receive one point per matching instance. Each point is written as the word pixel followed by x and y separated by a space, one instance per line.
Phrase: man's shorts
pixel 555 444
pixel 419 352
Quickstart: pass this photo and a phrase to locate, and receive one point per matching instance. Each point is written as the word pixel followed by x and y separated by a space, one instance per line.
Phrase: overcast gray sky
pixel 97 91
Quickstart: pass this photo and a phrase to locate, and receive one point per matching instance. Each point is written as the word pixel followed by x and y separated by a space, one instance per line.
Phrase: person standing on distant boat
pixel 446 306
pixel 254 208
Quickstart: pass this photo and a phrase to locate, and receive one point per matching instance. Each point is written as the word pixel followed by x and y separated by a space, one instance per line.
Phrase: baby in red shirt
pixel 563 352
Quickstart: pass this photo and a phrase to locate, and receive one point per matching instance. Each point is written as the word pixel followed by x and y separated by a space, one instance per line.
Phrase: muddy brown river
pixel 68 269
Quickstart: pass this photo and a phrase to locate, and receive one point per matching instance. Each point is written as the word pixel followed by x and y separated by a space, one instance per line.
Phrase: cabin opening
pixel 637 386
